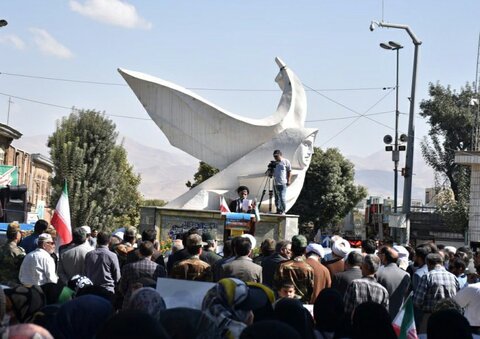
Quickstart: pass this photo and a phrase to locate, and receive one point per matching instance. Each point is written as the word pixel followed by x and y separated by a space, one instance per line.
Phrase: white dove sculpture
pixel 239 147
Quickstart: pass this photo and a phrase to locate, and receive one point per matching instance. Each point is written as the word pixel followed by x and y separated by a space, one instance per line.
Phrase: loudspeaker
pixel 14 200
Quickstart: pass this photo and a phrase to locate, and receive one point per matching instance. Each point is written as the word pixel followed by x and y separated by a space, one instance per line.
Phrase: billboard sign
pixel 8 176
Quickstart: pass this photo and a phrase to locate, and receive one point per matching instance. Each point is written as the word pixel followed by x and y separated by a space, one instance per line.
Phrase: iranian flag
pixel 61 219
pixel 404 323
pixel 223 205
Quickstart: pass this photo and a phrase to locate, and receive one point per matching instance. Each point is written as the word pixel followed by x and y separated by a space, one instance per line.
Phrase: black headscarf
pixel 448 324
pixel 185 323
pixel 292 312
pixel 132 325
pixel 328 310
pixel 270 329
pixel 372 321
pixel 81 317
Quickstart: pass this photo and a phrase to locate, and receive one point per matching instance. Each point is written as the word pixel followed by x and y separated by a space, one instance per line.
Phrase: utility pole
pixel 8 112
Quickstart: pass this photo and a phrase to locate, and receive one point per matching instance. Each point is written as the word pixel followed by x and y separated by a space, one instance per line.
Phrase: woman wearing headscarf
pixel 269 329
pixel 293 313
pixel 372 321
pixel 82 317
pixel 188 323
pixel 132 325
pixel 328 312
pixel 230 304
pixel 146 299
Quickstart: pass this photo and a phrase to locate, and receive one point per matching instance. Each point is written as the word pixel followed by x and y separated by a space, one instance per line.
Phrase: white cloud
pixel 12 40
pixel 114 12
pixel 48 45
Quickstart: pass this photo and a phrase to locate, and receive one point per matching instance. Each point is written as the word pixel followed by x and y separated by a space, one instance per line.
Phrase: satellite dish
pixel 387 139
pixel 403 138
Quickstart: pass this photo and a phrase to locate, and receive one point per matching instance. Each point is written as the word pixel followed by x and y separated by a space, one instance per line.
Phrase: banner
pixel 8 176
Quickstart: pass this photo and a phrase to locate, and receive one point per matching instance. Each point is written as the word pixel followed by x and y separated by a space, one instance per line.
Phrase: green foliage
pixel 154 202
pixel 451 119
pixel 329 192
pixel 454 213
pixel 103 190
pixel 204 172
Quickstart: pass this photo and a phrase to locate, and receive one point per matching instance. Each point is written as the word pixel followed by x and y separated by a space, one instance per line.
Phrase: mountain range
pixel 165 172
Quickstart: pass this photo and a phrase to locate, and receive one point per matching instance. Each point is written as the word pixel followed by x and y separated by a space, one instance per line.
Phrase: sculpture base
pixel 172 223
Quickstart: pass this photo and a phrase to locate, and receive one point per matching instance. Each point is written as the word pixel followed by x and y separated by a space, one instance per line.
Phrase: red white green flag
pixel 61 219
pixel 223 205
pixel 404 322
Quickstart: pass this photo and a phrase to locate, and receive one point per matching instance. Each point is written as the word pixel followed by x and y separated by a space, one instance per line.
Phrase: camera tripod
pixel 270 185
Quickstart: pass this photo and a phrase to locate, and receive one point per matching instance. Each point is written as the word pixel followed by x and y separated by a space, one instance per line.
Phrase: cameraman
pixel 281 175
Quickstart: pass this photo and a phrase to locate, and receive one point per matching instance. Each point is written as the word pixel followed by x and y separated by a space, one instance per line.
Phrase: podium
pixel 237 224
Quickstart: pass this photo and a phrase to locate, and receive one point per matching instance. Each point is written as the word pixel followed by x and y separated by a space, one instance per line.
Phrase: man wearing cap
pixel 321 275
pixel 38 267
pixel 72 261
pixel 88 232
pixel 208 253
pixel 297 270
pixel 193 268
pixel 281 176
pixel 242 267
pixel 340 249
pixel 393 278
pixel 11 255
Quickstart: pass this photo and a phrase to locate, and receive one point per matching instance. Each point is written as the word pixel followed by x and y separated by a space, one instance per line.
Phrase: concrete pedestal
pixel 172 222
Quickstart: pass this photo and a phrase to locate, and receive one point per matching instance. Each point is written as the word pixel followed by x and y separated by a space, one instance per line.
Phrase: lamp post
pixel 394 46
pixel 407 188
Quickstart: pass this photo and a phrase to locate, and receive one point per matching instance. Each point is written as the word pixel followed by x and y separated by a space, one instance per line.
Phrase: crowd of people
pixel 104 286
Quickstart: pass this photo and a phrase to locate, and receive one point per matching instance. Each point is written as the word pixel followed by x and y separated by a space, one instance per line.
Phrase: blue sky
pixel 232 45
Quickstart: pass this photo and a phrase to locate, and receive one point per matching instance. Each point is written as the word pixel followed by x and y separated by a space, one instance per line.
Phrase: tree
pixel 451 119
pixel 204 172
pixel 127 198
pixel 328 192
pixel 103 190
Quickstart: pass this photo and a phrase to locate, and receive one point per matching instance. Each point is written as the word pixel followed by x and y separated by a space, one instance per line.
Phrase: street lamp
pixel 3 23
pixel 394 46
pixel 407 188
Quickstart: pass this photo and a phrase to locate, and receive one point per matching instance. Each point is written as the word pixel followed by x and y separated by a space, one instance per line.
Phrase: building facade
pixel 32 170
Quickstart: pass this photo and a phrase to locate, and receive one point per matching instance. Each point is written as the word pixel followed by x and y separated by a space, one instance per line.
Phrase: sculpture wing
pixel 208 132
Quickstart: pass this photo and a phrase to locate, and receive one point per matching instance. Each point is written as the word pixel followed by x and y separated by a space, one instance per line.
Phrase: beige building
pixel 34 171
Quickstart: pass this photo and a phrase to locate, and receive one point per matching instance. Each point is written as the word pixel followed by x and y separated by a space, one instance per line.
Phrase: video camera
pixel 271 167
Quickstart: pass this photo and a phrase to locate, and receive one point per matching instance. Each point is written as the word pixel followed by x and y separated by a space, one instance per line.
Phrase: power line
pixel 69 108
pixel 190 88
pixel 349 117
pixel 138 118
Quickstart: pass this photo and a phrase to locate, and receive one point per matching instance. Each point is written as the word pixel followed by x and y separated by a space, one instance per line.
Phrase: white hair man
pixel 38 267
